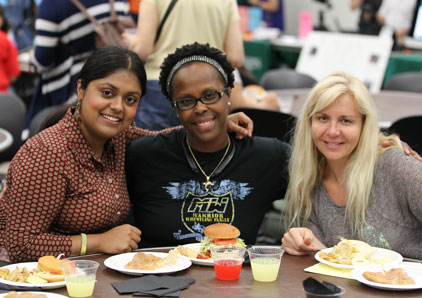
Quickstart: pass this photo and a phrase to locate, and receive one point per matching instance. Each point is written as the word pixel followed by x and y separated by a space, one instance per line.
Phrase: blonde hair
pixel 307 164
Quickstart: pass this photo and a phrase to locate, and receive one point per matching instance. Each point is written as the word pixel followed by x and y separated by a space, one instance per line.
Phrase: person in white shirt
pixel 396 18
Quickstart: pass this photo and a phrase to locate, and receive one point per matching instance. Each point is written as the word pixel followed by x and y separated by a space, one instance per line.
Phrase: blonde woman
pixel 342 184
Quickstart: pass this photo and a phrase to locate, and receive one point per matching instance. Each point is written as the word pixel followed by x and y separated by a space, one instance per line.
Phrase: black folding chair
pixel 39 122
pixel 271 124
pixel 12 118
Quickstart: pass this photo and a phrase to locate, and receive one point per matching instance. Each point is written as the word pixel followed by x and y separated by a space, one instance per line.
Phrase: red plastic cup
pixel 227 261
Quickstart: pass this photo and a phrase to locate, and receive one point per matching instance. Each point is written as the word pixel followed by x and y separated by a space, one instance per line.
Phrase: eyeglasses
pixel 207 99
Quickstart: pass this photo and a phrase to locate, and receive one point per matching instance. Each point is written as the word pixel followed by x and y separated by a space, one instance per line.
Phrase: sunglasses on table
pixel 207 99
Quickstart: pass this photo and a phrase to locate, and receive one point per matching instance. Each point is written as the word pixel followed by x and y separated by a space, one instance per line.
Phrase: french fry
pixel 4 272
pixel 13 275
pixel 16 275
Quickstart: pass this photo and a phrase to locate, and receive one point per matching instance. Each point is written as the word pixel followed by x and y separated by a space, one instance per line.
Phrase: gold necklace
pixel 207 183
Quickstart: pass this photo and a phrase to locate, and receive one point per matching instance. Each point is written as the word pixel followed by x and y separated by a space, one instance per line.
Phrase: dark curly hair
pixel 191 50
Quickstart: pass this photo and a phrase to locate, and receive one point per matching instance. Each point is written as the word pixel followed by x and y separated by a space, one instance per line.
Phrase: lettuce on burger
pixel 219 234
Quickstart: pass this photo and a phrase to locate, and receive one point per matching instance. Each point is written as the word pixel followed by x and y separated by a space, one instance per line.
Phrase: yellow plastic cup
pixel 80 277
pixel 265 262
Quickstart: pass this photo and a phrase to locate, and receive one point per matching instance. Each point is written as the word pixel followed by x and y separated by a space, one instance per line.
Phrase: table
pixel 400 62
pixel 288 284
pixel 391 105
pixel 6 139
pixel 262 55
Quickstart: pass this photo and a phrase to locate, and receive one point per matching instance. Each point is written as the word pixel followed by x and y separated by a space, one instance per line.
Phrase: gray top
pixel 394 213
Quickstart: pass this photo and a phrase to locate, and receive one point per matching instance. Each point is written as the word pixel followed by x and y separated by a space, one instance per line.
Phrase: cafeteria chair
pixel 405 81
pixel 408 130
pixel 286 78
pixel 43 118
pixel 12 118
pixel 268 123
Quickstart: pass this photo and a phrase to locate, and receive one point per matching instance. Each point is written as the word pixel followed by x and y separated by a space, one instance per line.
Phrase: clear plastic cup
pixel 265 262
pixel 228 261
pixel 80 276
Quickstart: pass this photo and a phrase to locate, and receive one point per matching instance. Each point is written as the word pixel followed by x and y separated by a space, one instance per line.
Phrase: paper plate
pixel 49 295
pixel 197 247
pixel 30 266
pixel 118 263
pixel 412 270
pixel 389 257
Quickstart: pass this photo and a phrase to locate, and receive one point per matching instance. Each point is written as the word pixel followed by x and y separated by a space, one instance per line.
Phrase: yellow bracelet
pixel 83 244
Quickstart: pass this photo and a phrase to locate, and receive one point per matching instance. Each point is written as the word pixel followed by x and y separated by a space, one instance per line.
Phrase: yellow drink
pixel 265 269
pixel 80 286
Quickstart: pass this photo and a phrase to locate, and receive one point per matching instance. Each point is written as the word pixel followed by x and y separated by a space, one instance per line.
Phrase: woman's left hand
pixel 240 124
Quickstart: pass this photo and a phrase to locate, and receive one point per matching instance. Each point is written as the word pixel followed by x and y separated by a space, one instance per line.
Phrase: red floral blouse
pixel 56 187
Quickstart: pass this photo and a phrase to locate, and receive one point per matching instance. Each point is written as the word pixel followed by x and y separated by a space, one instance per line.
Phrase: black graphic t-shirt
pixel 170 203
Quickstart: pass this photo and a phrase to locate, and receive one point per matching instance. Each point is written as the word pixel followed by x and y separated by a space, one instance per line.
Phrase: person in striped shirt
pixel 64 39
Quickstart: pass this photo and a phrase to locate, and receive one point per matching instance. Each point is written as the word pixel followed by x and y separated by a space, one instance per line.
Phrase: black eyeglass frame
pixel 219 94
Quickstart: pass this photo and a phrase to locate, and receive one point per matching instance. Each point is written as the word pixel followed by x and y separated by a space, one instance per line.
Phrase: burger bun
pixel 50 264
pixel 50 277
pixel 221 231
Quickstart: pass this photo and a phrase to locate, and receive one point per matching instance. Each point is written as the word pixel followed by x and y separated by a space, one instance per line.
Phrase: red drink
pixel 227 269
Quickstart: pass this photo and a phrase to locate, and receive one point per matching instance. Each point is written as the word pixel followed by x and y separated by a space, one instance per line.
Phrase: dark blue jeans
pixel 155 111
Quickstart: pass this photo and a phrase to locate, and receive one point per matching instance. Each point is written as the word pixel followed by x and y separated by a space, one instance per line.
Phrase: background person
pixel 64 39
pixel 396 19
pixel 216 22
pixel 273 12
pixel 205 174
pixel 368 23
pixel 21 15
pixel 268 100
pixel 69 179
pixel 342 184
pixel 9 66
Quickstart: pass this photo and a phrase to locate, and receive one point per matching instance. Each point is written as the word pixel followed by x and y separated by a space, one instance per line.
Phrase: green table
pixel 400 62
pixel 262 56
pixel 259 57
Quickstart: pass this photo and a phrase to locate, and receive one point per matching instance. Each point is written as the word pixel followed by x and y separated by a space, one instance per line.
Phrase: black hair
pixel 5 27
pixel 191 50
pixel 107 60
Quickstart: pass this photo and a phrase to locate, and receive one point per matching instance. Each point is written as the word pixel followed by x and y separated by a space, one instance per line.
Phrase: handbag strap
pixel 82 8
pixel 113 14
pixel 160 27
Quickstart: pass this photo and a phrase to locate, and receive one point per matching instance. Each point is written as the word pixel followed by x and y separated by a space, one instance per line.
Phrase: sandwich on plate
pixel 219 234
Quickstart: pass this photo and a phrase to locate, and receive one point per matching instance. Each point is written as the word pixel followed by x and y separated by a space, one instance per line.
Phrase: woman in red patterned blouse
pixel 69 179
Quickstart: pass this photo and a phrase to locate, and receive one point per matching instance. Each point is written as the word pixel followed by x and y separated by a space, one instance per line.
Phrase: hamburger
pixel 219 234
pixel 49 269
